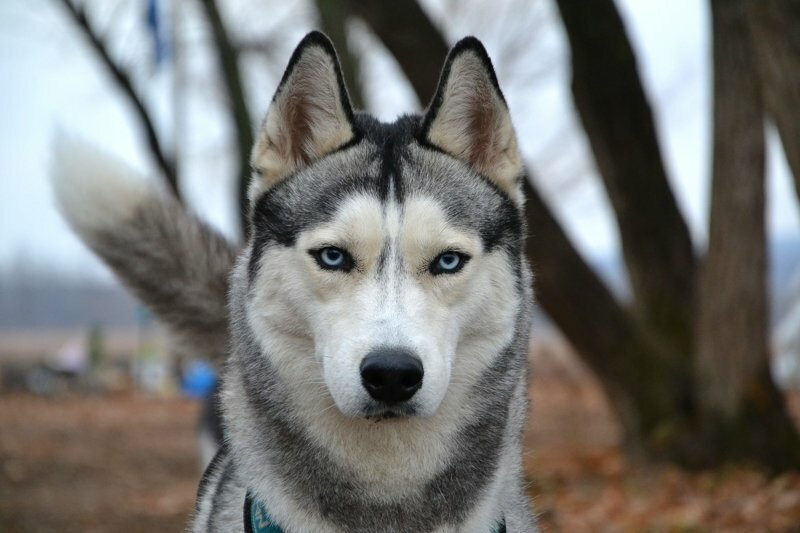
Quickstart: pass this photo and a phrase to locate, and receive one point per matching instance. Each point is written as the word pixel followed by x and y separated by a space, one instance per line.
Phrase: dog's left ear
pixel 309 117
pixel 469 119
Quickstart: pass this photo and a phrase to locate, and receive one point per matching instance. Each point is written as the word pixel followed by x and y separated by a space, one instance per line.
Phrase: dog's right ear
pixel 309 117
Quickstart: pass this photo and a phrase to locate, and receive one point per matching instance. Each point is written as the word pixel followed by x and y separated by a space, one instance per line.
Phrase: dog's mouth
pixel 380 413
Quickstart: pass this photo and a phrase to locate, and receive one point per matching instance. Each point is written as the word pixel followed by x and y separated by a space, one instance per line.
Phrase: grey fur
pixel 177 266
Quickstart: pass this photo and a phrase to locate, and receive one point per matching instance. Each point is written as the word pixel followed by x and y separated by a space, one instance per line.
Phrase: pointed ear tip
pixel 470 44
pixel 474 47
pixel 313 40
pixel 318 39
pixel 315 37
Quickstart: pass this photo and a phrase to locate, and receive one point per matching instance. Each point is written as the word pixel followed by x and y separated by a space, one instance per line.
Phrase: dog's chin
pixel 380 412
pixel 366 408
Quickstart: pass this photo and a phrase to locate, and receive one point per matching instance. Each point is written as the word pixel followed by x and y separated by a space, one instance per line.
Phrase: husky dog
pixel 378 315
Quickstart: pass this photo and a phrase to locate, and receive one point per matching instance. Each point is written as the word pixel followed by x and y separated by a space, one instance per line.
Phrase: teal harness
pixel 256 517
pixel 258 520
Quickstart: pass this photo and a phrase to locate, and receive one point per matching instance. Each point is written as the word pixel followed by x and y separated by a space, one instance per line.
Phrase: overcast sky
pixel 50 80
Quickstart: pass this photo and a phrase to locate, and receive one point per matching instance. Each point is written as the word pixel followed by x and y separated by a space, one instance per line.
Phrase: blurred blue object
pixel 153 18
pixel 198 380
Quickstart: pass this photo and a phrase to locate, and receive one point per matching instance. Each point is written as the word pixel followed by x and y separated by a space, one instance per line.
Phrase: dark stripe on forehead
pixel 389 170
pixel 384 256
pixel 392 138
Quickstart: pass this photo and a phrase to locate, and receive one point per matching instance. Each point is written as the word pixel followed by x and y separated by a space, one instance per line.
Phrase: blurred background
pixel 662 140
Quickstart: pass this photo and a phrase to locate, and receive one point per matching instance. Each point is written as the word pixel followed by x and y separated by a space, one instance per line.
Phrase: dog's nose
pixel 391 375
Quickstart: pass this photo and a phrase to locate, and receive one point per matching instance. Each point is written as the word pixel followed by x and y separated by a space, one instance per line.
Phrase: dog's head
pixel 385 260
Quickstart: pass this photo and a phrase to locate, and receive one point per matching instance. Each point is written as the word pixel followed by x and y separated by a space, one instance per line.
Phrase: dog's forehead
pixel 389 165
pixel 365 217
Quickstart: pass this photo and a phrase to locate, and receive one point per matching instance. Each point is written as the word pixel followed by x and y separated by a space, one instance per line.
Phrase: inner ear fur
pixel 309 117
pixel 469 119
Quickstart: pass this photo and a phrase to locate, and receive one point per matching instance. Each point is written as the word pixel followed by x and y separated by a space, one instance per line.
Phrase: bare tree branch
pixel 229 65
pixel 123 80
pixel 262 45
pixel 775 27
pixel 333 16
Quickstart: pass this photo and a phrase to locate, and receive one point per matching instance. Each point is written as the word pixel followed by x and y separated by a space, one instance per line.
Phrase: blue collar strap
pixel 258 520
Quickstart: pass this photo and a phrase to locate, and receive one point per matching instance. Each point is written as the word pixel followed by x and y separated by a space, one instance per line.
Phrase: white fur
pixel 93 189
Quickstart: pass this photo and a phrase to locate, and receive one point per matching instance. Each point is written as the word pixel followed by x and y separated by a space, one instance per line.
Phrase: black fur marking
pixel 209 472
pixel 216 502
pixel 310 196
pixel 383 257
pixel 248 506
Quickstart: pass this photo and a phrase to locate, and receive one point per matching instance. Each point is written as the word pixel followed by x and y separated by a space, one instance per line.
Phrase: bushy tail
pixel 172 261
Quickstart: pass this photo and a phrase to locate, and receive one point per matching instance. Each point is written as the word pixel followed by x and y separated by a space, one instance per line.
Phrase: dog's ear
pixel 469 119
pixel 309 117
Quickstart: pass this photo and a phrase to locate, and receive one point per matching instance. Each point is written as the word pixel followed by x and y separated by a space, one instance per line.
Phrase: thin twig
pixel 123 80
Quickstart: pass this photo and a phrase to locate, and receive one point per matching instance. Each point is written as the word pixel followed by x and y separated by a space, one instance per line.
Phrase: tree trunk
pixel 644 387
pixel 775 32
pixel 612 105
pixel 738 403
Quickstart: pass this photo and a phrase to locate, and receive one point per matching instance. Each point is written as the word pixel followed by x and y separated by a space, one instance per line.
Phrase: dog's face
pixel 384 257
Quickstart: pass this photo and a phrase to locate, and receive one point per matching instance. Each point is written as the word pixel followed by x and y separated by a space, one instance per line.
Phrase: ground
pixel 127 462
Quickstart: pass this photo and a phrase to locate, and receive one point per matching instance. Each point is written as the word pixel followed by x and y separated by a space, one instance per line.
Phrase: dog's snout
pixel 391 375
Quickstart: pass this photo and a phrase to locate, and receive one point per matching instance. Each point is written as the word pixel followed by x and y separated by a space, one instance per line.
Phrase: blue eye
pixel 332 258
pixel 448 263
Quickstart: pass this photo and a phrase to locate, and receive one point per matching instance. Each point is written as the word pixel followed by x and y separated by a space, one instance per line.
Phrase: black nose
pixel 391 375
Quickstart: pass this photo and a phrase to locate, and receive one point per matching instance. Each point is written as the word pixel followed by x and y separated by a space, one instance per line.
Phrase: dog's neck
pixel 257 519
